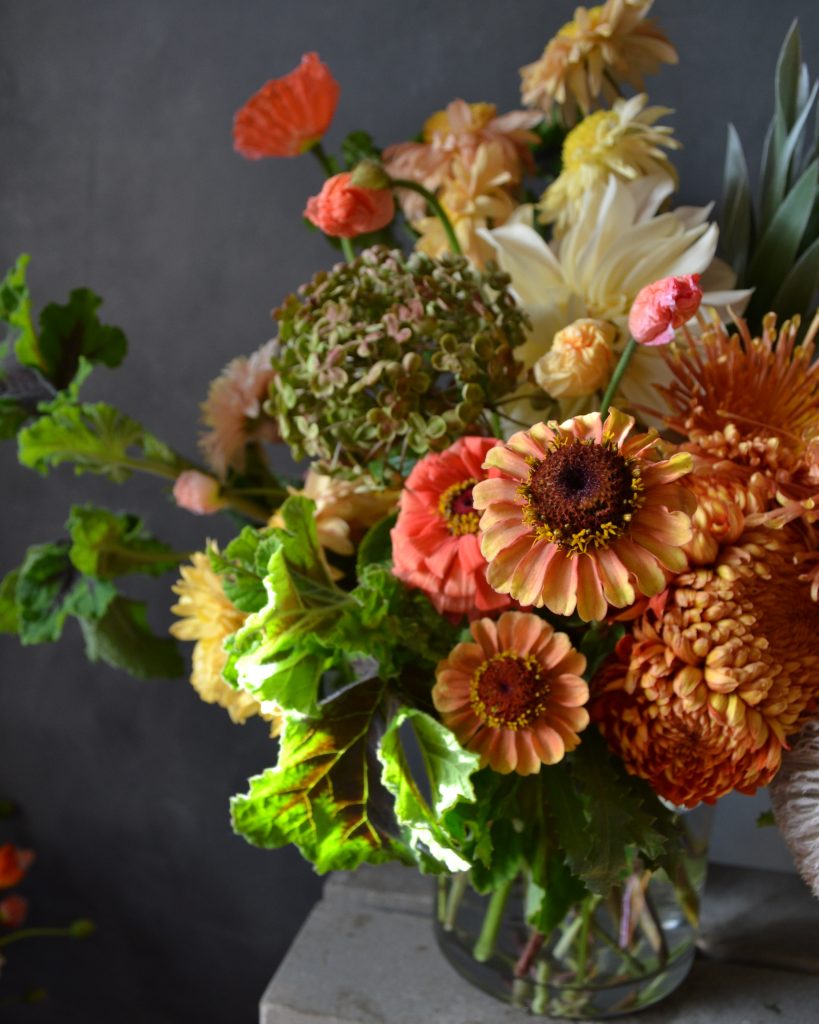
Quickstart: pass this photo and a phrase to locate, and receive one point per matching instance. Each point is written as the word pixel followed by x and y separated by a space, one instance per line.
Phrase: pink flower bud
pixel 344 210
pixel 197 492
pixel 660 308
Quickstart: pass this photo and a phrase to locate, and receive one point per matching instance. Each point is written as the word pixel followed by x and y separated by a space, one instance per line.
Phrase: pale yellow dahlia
pixel 717 679
pixel 208 618
pixel 590 56
pixel 583 517
pixel 580 360
pixel 515 696
pixel 625 141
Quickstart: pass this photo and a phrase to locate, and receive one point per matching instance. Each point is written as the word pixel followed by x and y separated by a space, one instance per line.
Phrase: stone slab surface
pixel 368 955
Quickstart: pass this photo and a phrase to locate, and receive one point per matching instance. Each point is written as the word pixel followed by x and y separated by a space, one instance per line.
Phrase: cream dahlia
pixel 515 696
pixel 582 517
pixel 435 541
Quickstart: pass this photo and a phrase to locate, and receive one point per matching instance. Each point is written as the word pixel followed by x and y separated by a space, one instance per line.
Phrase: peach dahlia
pixel 515 696
pixel 583 517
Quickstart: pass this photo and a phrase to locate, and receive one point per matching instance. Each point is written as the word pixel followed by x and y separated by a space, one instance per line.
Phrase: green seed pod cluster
pixel 391 356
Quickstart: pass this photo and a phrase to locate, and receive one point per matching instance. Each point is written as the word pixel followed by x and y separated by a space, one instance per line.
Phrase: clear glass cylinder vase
pixel 612 954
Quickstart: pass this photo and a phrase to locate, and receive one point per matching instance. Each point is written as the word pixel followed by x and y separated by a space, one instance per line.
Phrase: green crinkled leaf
pixel 96 439
pixel 8 602
pixel 107 545
pixel 237 568
pixel 358 146
pixel 12 417
pixel 15 310
pixel 376 545
pixel 72 332
pixel 325 795
pixel 123 639
pixel 552 889
pixel 447 769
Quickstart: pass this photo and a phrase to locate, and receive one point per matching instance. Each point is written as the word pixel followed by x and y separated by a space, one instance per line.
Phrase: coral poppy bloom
pixel 345 210
pixel 581 517
pixel 14 863
pixel 435 541
pixel 13 911
pixel 288 115
pixel 516 695
pixel 663 306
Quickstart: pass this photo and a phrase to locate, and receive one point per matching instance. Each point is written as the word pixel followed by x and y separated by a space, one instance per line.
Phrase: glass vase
pixel 612 954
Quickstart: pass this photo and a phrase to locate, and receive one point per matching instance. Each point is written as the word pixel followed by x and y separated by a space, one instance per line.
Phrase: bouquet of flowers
pixel 552 577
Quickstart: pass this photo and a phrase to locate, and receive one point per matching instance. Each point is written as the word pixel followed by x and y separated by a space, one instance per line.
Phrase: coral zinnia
pixel 719 678
pixel 516 695
pixel 582 517
pixel 208 617
pixel 590 55
pixel 288 115
pixel 435 540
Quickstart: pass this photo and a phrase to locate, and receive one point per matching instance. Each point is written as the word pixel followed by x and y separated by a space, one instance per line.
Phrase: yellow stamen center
pixel 455 505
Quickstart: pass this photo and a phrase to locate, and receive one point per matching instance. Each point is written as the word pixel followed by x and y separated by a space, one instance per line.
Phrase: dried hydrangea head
pixel 388 357
pixel 718 678
pixel 590 56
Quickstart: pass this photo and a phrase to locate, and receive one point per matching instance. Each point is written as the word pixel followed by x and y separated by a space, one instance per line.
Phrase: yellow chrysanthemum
pixel 625 141
pixel 602 47
pixel 207 617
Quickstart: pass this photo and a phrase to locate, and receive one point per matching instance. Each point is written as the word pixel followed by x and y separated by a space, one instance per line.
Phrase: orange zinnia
pixel 288 115
pixel 581 517
pixel 516 695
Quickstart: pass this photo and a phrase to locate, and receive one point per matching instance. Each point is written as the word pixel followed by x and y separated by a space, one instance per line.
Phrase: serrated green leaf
pixel 15 310
pixel 107 545
pixel 95 439
pixel 447 771
pixel 358 146
pixel 798 291
pixel 8 602
pixel 551 889
pixel 736 228
pixel 71 333
pixel 123 639
pixel 237 568
pixel 325 794
pixel 565 809
pixel 12 417
pixel 376 545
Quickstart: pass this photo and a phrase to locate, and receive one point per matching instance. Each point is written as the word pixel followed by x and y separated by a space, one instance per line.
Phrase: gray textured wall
pixel 117 173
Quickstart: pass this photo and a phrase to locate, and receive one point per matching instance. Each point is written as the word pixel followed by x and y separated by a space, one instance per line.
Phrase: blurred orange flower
pixel 14 863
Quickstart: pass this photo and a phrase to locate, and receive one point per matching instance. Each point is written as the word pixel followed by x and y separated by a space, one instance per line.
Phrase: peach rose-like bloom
pixel 288 115
pixel 435 541
pixel 660 308
pixel 580 360
pixel 515 696
pixel 14 863
pixel 344 210
pixel 197 492
pixel 583 517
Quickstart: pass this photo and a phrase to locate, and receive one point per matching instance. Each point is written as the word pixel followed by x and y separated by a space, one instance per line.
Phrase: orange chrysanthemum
pixel 582 517
pixel 516 695
pixel 590 55
pixel 726 497
pixel 751 401
pixel 715 682
pixel 435 542
pixel 288 115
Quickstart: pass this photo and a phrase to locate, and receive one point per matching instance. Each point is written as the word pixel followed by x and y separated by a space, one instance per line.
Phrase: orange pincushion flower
pixel 516 695
pixel 716 681
pixel 288 115
pixel 435 541
pixel 582 517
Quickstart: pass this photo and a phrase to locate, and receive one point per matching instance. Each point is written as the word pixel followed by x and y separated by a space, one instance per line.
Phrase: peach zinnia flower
pixel 592 54
pixel 516 695
pixel 288 115
pixel 435 540
pixel 720 677
pixel 581 517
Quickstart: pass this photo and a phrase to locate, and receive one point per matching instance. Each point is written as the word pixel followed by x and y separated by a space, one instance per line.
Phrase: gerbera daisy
pixel 582 517
pixel 718 679
pixel 592 54
pixel 625 141
pixel 288 115
pixel 208 618
pixel 516 695
pixel 435 541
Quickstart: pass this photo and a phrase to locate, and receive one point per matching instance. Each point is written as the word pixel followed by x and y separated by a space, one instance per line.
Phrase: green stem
pixel 586 912
pixel 436 208
pixel 457 889
pixel 326 161
pixel 347 249
pixel 630 959
pixel 540 1000
pixel 617 376
pixel 485 946
pixel 36 933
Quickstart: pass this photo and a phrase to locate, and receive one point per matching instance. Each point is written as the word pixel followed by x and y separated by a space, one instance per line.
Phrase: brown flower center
pixel 509 691
pixel 582 495
pixel 455 505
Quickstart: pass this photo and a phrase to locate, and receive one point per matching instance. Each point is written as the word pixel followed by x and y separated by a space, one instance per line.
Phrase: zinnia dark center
pixel 455 505
pixel 581 495
pixel 509 691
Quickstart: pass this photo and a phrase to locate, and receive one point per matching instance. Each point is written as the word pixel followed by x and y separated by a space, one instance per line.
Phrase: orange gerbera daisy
pixel 717 679
pixel 516 695
pixel 435 544
pixel 288 115
pixel 582 517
